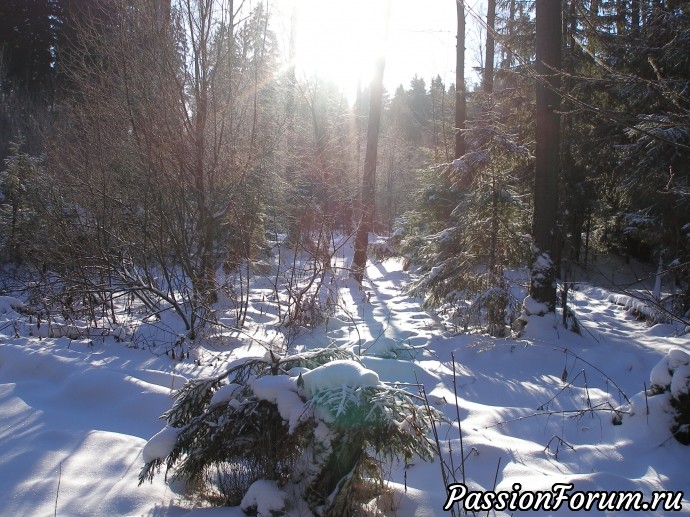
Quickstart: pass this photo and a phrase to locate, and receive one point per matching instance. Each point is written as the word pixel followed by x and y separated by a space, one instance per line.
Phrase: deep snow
pixel 75 415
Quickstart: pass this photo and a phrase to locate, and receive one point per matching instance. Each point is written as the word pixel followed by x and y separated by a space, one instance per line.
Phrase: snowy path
pixel 502 383
pixel 392 319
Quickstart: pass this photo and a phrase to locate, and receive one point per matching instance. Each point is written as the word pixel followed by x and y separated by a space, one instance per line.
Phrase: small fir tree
pixel 316 424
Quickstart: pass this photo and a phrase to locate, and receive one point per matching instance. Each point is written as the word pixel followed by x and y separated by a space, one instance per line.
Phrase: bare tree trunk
pixel 621 12
pixel 493 232
pixel 543 274
pixel 290 168
pixel 204 283
pixel 460 94
pixel 369 174
pixel 488 82
pixel 592 27
pixel 656 294
pixel 434 137
pixel 511 77
pixel 443 123
pixel 635 16
pixel 575 209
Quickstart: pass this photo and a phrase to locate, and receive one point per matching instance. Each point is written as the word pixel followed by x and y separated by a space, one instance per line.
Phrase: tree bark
pixel 543 273
pixel 368 197
pixel 488 81
pixel 460 94
pixel 621 12
pixel 635 16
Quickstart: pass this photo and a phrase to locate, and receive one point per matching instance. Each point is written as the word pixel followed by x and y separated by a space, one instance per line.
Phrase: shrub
pixel 316 424
pixel 671 376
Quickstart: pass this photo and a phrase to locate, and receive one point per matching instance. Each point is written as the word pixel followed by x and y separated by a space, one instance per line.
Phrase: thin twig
pixel 457 412
pixel 57 492
pixel 437 441
pixel 572 412
pixel 646 402
pixel 493 489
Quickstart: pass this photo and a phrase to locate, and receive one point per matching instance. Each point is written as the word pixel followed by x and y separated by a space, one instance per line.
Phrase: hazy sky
pixel 338 39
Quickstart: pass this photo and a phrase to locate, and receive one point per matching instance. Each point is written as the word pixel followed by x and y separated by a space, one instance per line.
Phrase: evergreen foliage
pixel 21 184
pixel 623 153
pixel 463 258
pixel 29 32
pixel 472 215
pixel 258 420
pixel 670 378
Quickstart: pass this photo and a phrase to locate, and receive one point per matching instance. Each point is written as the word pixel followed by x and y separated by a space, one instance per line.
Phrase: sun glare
pixel 339 41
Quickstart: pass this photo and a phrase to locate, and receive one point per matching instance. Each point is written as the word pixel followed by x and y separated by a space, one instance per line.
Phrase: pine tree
pixel 317 423
pixel 29 31
pixel 21 182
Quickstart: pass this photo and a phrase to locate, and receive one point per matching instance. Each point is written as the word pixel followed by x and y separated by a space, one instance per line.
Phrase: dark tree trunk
pixel 460 94
pixel 592 27
pixel 543 274
pixel 340 468
pixel 488 80
pixel 635 16
pixel 434 136
pixel 621 11
pixel 488 88
pixel 572 176
pixel 443 123
pixel 368 197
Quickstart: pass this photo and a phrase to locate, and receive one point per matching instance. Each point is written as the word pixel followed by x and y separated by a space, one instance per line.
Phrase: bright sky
pixel 338 39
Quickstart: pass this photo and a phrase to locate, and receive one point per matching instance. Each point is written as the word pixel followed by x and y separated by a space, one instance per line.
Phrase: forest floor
pixel 535 409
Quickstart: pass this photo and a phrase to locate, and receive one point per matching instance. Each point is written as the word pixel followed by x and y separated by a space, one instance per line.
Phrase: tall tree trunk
pixel 443 123
pixel 488 81
pixel 368 197
pixel 635 16
pixel 488 88
pixel 593 24
pixel 621 12
pixel 543 274
pixel 460 94
pixel 493 232
pixel 206 274
pixel 574 205
pixel 511 77
pixel 294 228
pixel 434 136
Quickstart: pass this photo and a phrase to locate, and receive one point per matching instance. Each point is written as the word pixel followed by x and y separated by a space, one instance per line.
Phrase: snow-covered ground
pixel 535 410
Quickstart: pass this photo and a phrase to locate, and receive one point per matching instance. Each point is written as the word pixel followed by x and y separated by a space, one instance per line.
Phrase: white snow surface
pixel 75 415
pixel 224 394
pixel 281 390
pixel 160 445
pixel 634 306
pixel 9 304
pixel 532 306
pixel 672 373
pixel 339 373
pixel 264 497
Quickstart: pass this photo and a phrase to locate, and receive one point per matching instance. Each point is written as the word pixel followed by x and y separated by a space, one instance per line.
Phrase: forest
pixel 275 251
